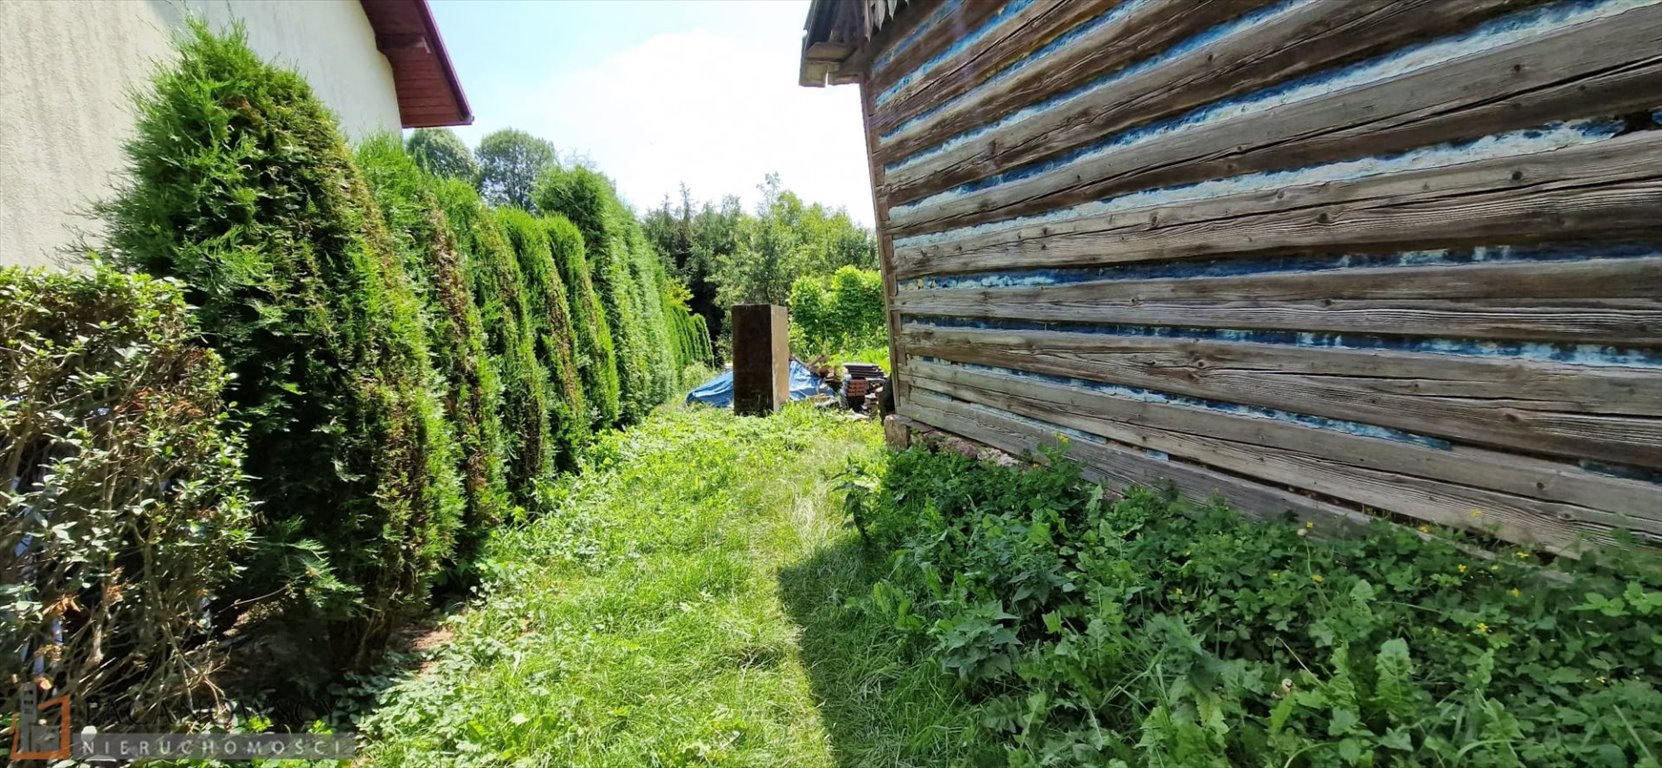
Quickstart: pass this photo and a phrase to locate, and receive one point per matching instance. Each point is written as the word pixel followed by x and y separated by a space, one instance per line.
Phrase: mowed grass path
pixel 687 605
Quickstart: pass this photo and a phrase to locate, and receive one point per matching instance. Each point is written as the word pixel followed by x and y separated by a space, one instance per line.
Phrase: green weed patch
pixel 1137 632
pixel 684 602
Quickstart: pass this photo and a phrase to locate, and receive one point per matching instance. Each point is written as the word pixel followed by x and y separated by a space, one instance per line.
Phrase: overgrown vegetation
pixel 241 187
pixel 840 312
pixel 684 603
pixel 1139 632
pixel 125 508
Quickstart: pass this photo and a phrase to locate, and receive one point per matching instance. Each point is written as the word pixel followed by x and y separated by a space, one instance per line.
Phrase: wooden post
pixel 761 359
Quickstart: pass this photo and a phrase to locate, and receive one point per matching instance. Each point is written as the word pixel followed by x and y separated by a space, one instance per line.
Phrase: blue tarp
pixel 719 390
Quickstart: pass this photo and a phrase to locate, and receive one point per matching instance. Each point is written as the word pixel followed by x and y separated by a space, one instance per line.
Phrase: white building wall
pixel 68 67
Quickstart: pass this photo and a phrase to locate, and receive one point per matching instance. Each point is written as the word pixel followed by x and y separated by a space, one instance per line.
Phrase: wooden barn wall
pixel 1317 256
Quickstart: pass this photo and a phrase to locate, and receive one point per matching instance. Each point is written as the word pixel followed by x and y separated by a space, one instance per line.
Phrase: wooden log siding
pixel 1319 257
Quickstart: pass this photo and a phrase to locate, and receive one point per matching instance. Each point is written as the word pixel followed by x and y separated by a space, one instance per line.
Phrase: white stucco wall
pixel 67 68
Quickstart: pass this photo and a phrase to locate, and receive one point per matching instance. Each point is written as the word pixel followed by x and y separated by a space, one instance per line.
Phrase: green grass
pixel 686 603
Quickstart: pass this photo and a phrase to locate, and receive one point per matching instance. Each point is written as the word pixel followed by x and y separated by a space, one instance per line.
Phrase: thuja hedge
pixel 241 187
pixel 472 390
pixel 125 508
pixel 629 280
pixel 499 291
pixel 550 329
pixel 591 334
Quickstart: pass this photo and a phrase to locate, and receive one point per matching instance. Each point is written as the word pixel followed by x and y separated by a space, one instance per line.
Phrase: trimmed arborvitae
pixel 591 336
pixel 241 187
pixel 500 294
pixel 551 329
pixel 646 275
pixel 423 238
pixel 586 198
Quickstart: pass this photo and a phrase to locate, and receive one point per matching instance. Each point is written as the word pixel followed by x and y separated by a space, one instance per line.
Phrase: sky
pixel 660 92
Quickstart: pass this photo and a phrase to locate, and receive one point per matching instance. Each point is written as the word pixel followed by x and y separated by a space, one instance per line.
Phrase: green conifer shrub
pixel 550 329
pixel 437 268
pixel 499 291
pixel 241 187
pixel 591 335
pixel 587 199
pixel 125 500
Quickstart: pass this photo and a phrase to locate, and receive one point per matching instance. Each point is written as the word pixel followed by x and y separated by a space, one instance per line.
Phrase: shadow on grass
pixel 882 703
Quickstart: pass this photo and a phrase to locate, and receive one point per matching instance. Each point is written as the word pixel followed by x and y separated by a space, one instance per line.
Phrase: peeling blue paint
pixel 1113 16
pixel 1542 138
pixel 1573 354
pixel 1493 34
pixel 1235 267
pixel 1622 471
pixel 1143 395
pixel 928 26
pixel 1187 45
pixel 963 42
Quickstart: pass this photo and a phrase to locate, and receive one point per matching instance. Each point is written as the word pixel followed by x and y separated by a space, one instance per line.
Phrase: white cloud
pixel 716 109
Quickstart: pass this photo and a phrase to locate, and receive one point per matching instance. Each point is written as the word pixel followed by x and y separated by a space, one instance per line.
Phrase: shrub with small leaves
pixel 124 494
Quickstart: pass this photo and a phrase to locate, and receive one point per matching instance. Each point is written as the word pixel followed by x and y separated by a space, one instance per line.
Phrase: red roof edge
pixel 429 93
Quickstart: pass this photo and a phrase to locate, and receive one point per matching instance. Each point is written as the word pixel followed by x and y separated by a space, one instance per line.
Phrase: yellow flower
pixel 1061 438
pixel 1602 679
pixel 1482 628
pixel 1309 524
pixel 1178 592
pixel 1515 592
pixel 1521 555
pixel 1425 529
pixel 1494 567
pixel 1316 578
pixel 1477 513
pixel 1462 567
pixel 1275 574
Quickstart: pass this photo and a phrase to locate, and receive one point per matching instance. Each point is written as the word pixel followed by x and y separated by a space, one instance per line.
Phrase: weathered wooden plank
pixel 1425 106
pixel 1633 322
pixel 1522 485
pixel 1120 467
pixel 1546 408
pixel 1520 301
pixel 1607 190
pixel 1322 35
pixel 1535 385
pixel 966 17
pixel 1635 278
pixel 1556 527
pixel 1027 30
pixel 885 248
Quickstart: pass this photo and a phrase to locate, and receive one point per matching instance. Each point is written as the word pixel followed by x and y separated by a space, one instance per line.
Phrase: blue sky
pixel 657 92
